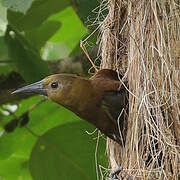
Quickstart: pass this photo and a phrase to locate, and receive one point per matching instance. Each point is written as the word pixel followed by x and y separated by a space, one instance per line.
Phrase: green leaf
pixel 17 5
pixel 72 28
pixel 65 40
pixel 38 37
pixel 14 155
pixel 3 49
pixel 6 66
pixel 44 117
pixel 16 147
pixel 3 19
pixel 26 58
pixel 55 51
pixel 66 152
pixel 16 167
pixel 37 13
pixel 84 9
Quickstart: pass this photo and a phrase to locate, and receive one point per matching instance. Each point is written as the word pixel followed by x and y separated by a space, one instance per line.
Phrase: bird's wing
pixel 115 104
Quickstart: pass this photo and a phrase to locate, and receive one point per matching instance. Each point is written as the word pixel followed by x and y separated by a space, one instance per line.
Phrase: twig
pixel 87 55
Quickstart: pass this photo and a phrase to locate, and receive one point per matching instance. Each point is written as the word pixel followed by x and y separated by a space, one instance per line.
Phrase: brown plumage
pixel 98 100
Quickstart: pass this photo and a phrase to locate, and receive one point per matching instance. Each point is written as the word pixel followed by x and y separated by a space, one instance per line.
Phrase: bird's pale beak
pixel 35 88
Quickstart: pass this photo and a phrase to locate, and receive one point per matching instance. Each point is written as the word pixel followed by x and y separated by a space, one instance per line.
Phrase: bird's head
pixel 56 87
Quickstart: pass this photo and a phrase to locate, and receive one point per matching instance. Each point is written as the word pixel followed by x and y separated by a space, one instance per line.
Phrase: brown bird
pixel 101 100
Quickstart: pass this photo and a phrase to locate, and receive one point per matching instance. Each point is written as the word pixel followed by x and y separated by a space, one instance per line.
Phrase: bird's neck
pixel 79 96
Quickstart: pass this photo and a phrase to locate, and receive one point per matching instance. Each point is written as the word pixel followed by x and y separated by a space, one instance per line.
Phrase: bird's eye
pixel 54 85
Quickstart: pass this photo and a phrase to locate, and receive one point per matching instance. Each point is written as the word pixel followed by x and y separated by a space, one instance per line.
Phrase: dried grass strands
pixel 148 31
pixel 113 43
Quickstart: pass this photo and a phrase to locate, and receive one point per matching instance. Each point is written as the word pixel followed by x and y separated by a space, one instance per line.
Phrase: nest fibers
pixel 141 39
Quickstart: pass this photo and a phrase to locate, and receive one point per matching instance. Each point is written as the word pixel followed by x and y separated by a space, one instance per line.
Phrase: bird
pixel 102 100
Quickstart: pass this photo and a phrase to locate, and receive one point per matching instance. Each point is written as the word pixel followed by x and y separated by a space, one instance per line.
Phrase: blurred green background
pixel 38 138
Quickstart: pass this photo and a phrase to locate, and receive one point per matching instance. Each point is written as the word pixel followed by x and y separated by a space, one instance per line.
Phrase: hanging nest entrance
pixel 141 40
